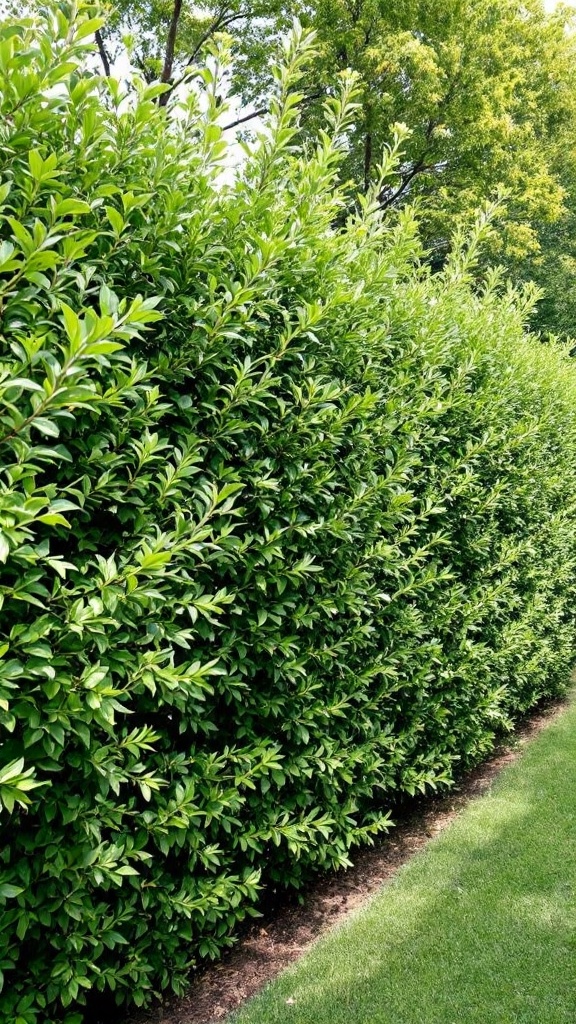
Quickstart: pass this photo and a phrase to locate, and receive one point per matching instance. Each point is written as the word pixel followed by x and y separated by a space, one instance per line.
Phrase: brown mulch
pixel 284 934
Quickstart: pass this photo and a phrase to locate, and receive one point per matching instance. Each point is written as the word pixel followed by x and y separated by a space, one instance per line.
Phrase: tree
pixel 483 89
pixel 165 38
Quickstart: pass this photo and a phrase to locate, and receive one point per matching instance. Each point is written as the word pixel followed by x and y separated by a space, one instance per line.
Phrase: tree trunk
pixel 367 159
pixel 170 47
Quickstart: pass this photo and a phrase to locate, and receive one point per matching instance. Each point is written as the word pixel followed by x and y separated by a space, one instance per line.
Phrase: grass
pixel 479 928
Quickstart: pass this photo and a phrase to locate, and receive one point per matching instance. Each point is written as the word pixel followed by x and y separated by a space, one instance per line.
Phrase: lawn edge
pixel 286 933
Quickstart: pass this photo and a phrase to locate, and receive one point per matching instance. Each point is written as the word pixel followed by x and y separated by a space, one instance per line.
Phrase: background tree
pixel 486 88
pixel 165 38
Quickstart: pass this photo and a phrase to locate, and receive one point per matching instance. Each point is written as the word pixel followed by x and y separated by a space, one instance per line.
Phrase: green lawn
pixel 480 928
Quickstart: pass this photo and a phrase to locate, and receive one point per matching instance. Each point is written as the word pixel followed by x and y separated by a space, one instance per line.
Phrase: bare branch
pixel 247 117
pixel 266 110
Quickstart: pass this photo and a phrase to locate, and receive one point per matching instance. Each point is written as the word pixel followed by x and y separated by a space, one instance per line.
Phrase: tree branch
pixel 102 51
pixel 247 117
pixel 389 196
pixel 220 21
pixel 266 110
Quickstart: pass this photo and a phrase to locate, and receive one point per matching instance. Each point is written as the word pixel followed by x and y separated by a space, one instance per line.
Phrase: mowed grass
pixel 480 928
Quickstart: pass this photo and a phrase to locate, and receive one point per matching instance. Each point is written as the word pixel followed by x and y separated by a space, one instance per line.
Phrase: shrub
pixel 287 523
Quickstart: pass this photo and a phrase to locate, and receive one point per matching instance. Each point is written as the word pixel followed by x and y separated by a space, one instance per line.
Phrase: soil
pixel 286 931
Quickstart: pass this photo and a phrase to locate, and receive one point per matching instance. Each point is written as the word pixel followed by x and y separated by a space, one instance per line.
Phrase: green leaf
pixel 72 324
pixel 89 27
pixel 53 519
pixel 46 426
pixel 116 220
pixel 36 164
pixel 68 207
pixel 8 891
pixel 4 547
pixel 12 770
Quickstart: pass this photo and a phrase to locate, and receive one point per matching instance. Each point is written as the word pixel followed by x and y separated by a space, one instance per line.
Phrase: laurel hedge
pixel 287 523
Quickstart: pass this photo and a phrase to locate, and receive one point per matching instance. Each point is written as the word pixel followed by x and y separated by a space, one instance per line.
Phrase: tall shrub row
pixel 287 524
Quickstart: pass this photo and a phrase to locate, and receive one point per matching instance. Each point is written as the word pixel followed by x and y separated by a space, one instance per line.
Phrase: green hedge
pixel 287 524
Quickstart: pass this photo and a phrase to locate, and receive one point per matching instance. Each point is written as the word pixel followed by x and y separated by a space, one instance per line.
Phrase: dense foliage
pixel 287 523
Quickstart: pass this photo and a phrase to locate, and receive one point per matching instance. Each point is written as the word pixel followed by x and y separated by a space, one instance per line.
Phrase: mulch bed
pixel 285 932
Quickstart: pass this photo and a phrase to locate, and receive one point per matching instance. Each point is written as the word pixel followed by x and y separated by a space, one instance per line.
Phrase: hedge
pixel 287 522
